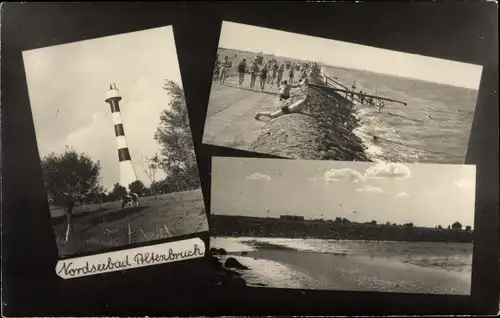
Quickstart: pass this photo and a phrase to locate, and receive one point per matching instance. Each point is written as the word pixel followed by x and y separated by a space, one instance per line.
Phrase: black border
pixel 455 30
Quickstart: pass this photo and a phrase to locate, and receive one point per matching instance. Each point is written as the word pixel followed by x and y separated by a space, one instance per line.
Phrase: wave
pixel 270 273
pixel 231 244
pixel 249 244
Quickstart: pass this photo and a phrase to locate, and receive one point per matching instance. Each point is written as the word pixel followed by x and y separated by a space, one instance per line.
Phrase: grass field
pixel 103 226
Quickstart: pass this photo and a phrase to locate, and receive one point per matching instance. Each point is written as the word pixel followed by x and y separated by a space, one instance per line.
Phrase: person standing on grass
pixel 284 110
pixel 254 71
pixel 242 69
pixel 223 70
pixel 263 77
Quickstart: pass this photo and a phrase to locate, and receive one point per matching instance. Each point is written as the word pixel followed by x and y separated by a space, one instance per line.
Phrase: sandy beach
pixel 284 267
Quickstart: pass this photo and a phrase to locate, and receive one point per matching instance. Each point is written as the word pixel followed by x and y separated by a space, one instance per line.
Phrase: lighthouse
pixel 127 171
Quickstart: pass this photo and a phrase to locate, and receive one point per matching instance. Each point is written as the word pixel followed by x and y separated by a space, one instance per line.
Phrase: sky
pixel 67 84
pixel 425 194
pixel 349 55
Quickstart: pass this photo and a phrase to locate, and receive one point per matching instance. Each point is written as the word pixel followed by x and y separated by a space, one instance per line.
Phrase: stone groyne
pixel 323 131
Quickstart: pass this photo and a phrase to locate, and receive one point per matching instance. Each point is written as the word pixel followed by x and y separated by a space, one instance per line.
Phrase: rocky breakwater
pixel 224 273
pixel 322 131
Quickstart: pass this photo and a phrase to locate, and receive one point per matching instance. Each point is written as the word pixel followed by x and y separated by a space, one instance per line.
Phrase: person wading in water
pixel 353 90
pixel 284 95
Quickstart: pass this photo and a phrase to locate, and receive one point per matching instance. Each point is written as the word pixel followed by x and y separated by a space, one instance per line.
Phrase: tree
pixel 137 187
pixel 118 191
pixel 456 226
pixel 440 227
pixel 373 222
pixel 408 224
pixel 468 228
pixel 177 157
pixel 69 177
pixel 150 167
pixel 448 227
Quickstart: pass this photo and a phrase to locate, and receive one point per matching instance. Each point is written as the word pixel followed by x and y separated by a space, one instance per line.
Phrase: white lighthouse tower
pixel 127 171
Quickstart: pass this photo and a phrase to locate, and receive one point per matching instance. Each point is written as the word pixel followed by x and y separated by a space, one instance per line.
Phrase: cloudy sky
pixel 335 53
pixel 67 84
pixel 425 194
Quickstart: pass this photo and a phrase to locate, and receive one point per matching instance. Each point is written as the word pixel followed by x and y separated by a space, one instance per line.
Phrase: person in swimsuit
pixel 269 69
pixel 279 77
pixel 284 90
pixel 254 71
pixel 275 73
pixel 290 74
pixel 353 90
pixel 263 77
pixel 287 109
pixel 242 69
pixel 361 97
pixel 217 70
pixel 223 70
pixel 380 106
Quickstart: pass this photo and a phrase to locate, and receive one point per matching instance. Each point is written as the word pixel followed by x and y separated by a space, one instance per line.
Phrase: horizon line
pixel 365 70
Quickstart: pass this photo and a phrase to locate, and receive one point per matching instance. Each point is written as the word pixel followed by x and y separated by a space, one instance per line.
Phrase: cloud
pixel 371 189
pixel 258 176
pixel 388 170
pixel 345 175
pixel 402 195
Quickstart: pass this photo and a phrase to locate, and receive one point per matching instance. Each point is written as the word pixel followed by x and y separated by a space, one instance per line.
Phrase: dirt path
pixel 231 110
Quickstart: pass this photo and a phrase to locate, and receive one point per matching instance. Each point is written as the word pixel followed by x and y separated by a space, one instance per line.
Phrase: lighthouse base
pixel 127 173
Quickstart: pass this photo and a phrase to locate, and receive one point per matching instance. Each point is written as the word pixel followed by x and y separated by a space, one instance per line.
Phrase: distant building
pixel 291 217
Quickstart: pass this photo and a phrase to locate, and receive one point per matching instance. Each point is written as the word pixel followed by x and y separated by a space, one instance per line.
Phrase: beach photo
pixel 344 225
pixel 114 141
pixel 303 97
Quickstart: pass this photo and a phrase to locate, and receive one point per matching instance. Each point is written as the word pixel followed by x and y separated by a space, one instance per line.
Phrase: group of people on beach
pixel 270 73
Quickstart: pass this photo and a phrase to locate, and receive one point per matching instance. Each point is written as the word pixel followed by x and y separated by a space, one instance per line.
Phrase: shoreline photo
pixel 114 141
pixel 303 97
pixel 332 225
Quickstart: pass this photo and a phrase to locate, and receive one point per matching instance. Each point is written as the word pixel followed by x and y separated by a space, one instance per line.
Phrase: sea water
pixel 449 256
pixel 407 133
pixel 454 258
